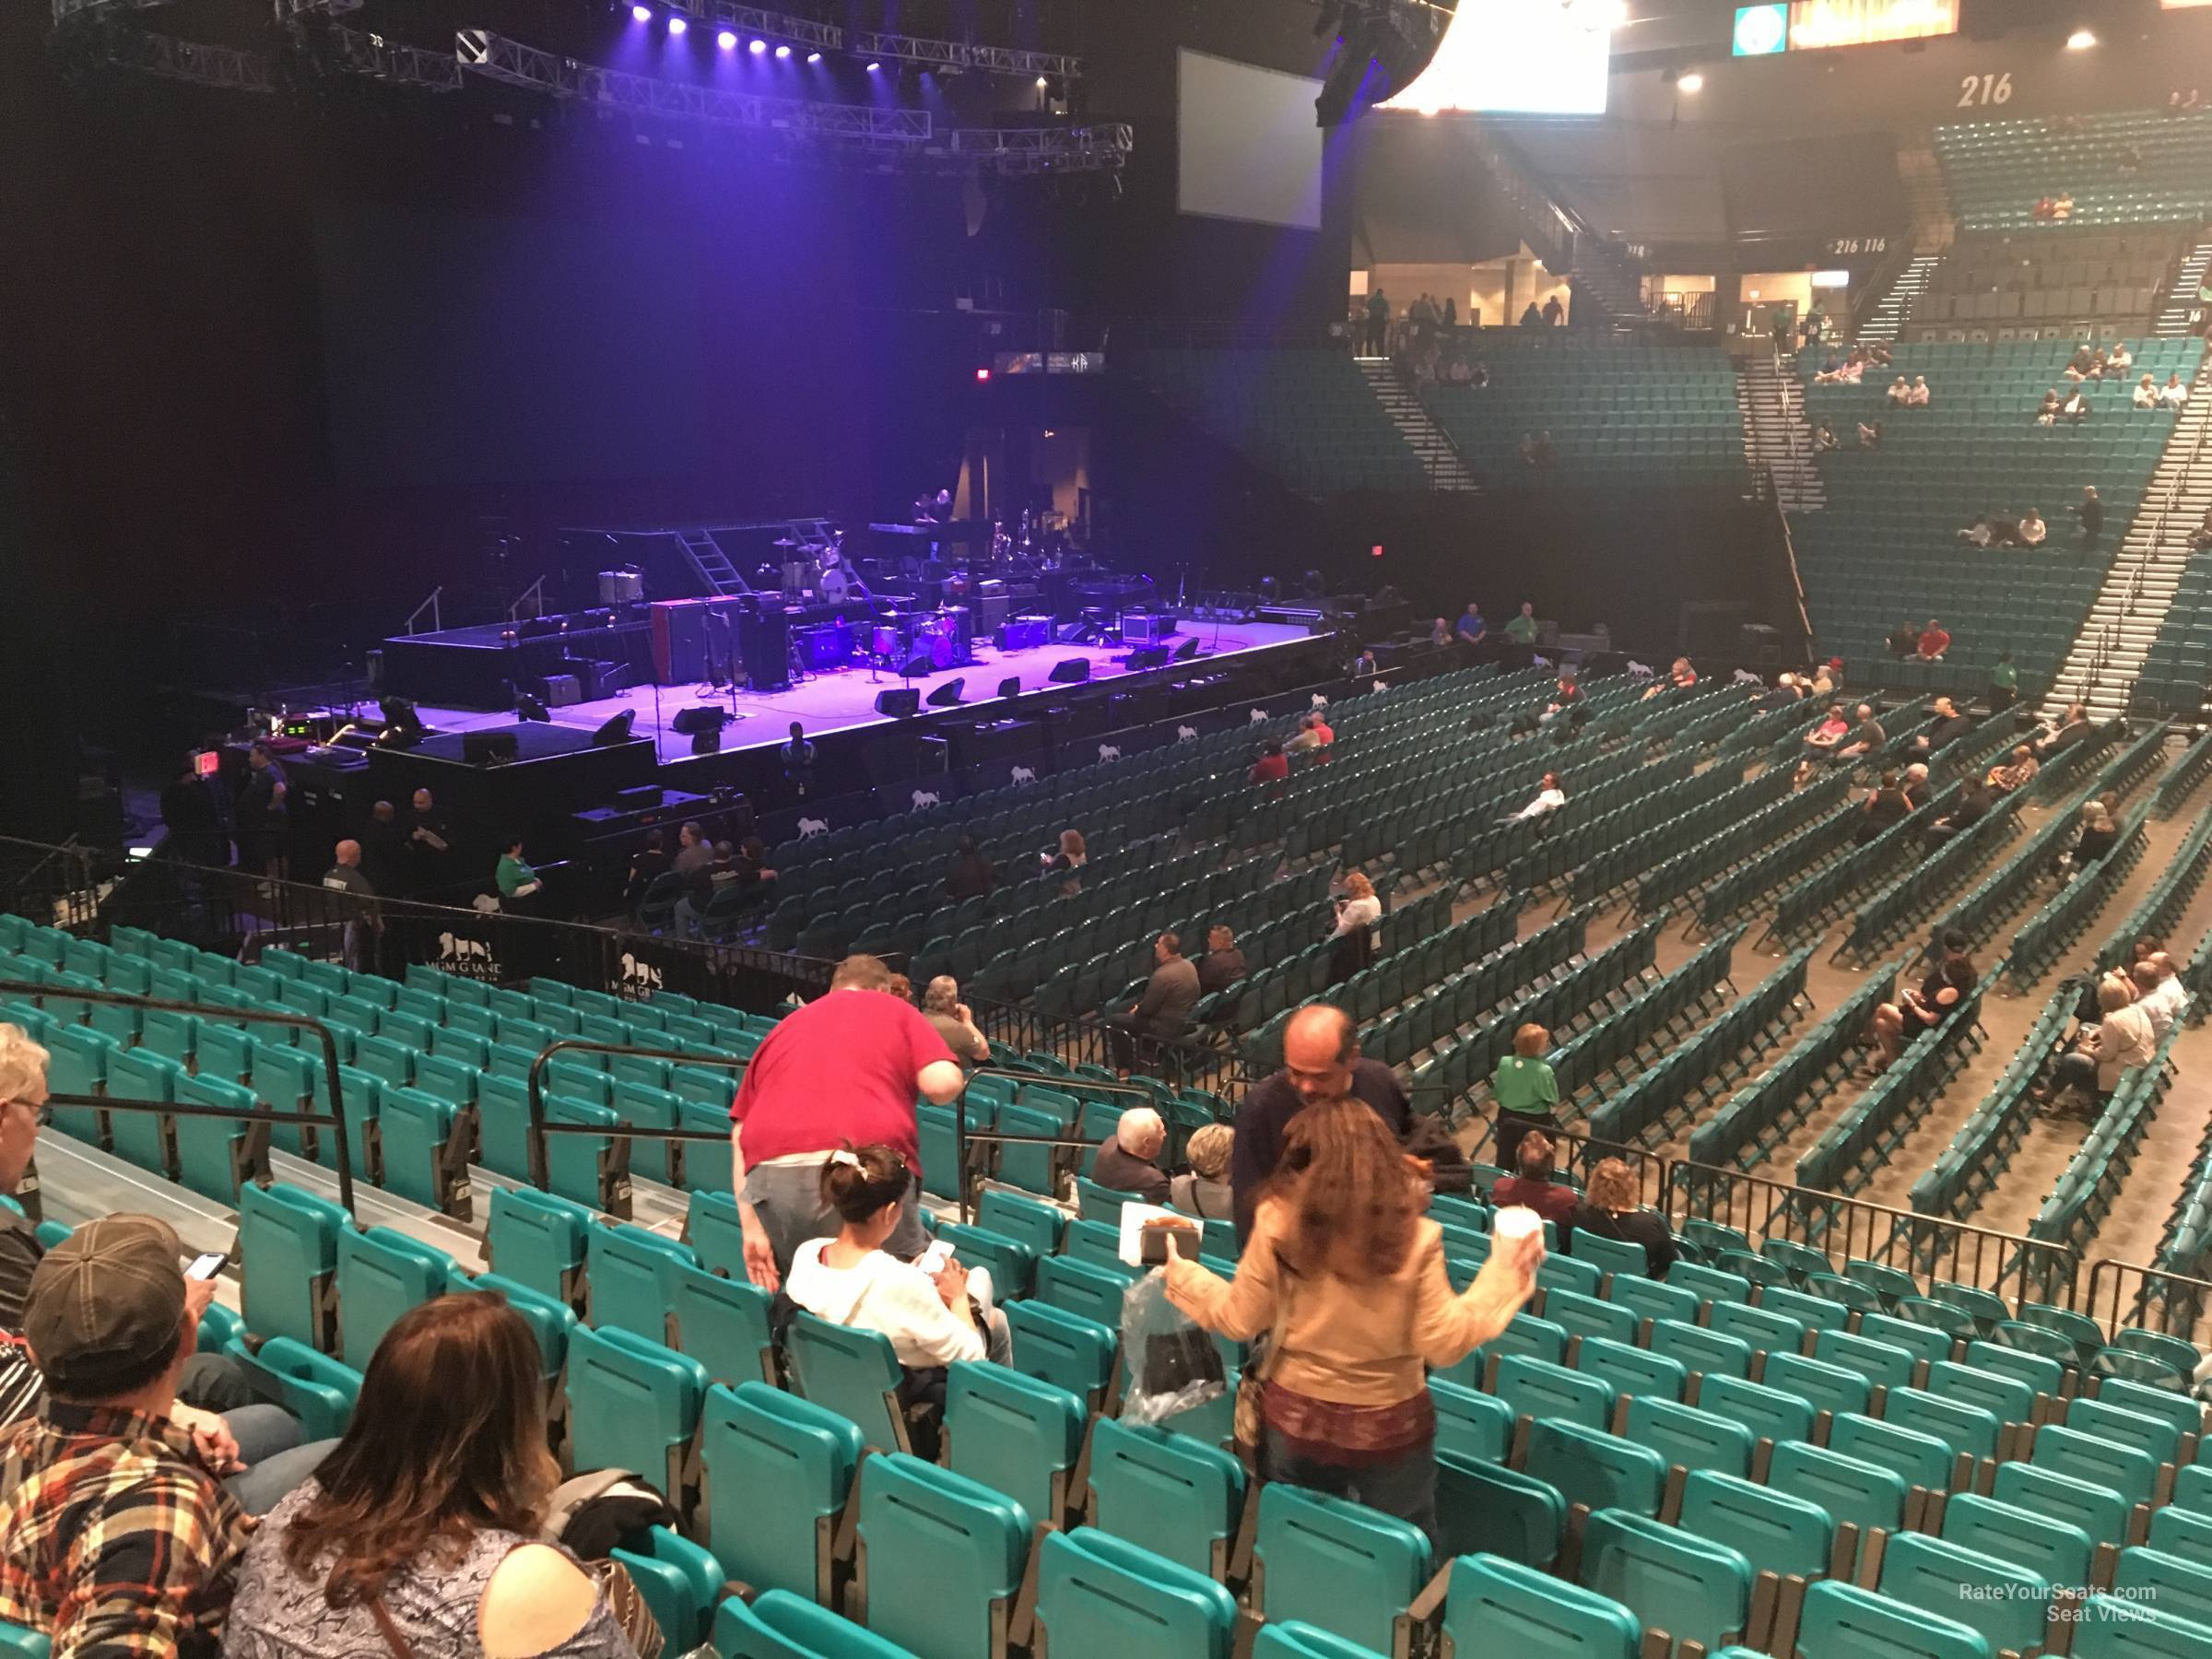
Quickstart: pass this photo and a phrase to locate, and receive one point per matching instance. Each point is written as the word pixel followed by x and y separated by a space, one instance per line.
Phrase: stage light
pixel 873 67
pixel 782 52
pixel 981 375
pixel 814 57
pixel 1690 82
pixel 726 40
pixel 641 14
pixel 676 25
pixel 759 46
pixel 1040 83
pixel 2081 40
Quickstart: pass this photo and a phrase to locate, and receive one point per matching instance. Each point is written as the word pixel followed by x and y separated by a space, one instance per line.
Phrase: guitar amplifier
pixel 764 644
pixel 1147 628
pixel 991 612
pixel 1024 633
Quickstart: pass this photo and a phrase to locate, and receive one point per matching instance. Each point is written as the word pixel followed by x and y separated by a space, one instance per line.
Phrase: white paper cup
pixel 1514 1222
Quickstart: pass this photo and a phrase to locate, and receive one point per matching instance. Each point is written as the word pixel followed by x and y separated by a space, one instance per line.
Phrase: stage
pixel 844 700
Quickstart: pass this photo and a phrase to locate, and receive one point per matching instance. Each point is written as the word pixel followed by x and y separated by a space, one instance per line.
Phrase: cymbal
pixel 786 542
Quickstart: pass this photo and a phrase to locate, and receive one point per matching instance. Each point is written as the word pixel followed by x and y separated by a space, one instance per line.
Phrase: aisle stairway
pixel 1888 317
pixel 1925 193
pixel 2182 308
pixel 2138 591
pixel 1775 434
pixel 1438 458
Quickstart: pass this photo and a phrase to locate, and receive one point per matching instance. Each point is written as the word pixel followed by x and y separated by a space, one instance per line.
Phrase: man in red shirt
pixel 1272 767
pixel 1935 640
pixel 842 1071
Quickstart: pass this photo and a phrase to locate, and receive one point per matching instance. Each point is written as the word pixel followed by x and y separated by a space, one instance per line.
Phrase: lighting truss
pixel 751 20
pixel 189 60
pixel 288 9
pixel 66 9
pixel 359 53
pixel 496 58
pixel 961 55
pixel 1024 150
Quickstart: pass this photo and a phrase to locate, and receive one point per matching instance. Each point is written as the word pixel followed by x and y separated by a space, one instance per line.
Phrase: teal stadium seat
pixel 1102 1597
pixel 776 1474
pixel 1335 1565
pixel 1176 1496
pixel 941 1559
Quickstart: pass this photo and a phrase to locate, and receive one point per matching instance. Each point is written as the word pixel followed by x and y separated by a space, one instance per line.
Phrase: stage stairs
pixel 1775 434
pixel 2182 306
pixel 1439 459
pixel 2139 589
pixel 711 563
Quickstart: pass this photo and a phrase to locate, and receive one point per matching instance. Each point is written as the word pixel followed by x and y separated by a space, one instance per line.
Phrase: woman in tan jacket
pixel 1348 1272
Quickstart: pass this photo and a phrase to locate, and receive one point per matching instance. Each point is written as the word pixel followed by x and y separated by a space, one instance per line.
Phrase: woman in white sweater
pixel 935 1311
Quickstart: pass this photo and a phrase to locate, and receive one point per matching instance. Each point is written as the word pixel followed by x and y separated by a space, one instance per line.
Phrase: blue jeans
pixel 268 1444
pixel 1403 1486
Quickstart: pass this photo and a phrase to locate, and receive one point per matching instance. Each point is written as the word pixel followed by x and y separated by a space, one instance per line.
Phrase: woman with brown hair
pixel 1531 1185
pixel 1609 1208
pixel 415 1538
pixel 1349 1275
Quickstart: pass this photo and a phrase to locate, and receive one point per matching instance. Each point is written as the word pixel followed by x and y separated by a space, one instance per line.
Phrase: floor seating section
pixel 1617 413
pixel 1885 548
pixel 2123 167
pixel 1305 415
pixel 2048 277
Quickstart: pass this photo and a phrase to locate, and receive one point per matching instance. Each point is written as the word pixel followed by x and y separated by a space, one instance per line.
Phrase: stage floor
pixel 846 699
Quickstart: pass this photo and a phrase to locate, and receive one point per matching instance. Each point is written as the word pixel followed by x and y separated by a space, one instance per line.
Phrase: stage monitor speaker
pixel 1186 651
pixel 707 741
pixel 488 748
pixel 615 731
pixel 1070 671
pixel 1010 686
pixel 527 707
pixel 898 702
pixel 1148 656
pixel 947 694
pixel 917 666
pixel 705 717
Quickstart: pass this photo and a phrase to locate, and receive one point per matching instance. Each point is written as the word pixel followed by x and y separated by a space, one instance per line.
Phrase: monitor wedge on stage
pixel 704 717
pixel 917 666
pixel 615 731
pixel 1070 671
pixel 1010 686
pixel 489 748
pixel 1148 656
pixel 947 694
pixel 1187 649
pixel 898 702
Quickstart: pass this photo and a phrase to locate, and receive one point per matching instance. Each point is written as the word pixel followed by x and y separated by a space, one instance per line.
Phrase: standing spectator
pixel 1223 964
pixel 694 852
pixel 1609 1210
pixel 1069 859
pixel 1523 629
pixel 1378 324
pixel 1342 1263
pixel 1531 317
pixel 1531 1185
pixel 647 866
pixel 1205 1191
pixel 1321 1062
pixel 259 817
pixel 431 840
pixel 1128 1159
pixel 2090 511
pixel 951 1019
pixel 1524 1092
pixel 971 875
pixel 1451 311
pixel 2118 1043
pixel 1935 640
pixel 1471 628
pixel 1352 928
pixel 362 920
pixel 1554 312
pixel 1948 984
pixel 1163 1011
pixel 1272 767
pixel 2012 774
pixel 2004 683
pixel 195 820
pixel 798 754
pixel 419 1535
pixel 843 1070
pixel 384 852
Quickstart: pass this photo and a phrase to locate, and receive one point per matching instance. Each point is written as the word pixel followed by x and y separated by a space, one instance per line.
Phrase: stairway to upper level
pixel 1888 319
pixel 2184 307
pixel 1439 456
pixel 1775 434
pixel 2138 591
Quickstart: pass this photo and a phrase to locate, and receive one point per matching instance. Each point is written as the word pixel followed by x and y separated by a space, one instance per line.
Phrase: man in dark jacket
pixel 1170 995
pixel 1129 1162
pixel 1223 964
pixel 1321 1062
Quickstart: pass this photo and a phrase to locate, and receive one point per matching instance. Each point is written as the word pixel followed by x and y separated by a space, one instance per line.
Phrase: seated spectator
pixel 1830 365
pixel 2044 207
pixel 1532 1186
pixel 2013 774
pixel 2004 681
pixel 419 1532
pixel 1935 640
pixel 1549 797
pixel 1272 767
pixel 1899 393
pixel 1971 806
pixel 2200 538
pixel 1479 375
pixel 2063 731
pixel 2159 992
pixel 1823 739
pixel 1566 699
pixel 2103 1054
pixel 1950 725
pixel 1948 984
pixel 1785 692
pixel 1979 534
pixel 647 866
pixel 1547 454
pixel 2096 364
pixel 2120 360
pixel 971 875
pixel 1870 436
pixel 1681 676
pixel 1916 785
pixel 2146 394
pixel 1170 993
pixel 1825 439
pixel 933 1320
pixel 2098 834
pixel 2080 364
pixel 1352 927
pixel 2063 208
pixel 1128 1159
pixel 2004 529
pixel 1917 397
pixel 1609 1210
pixel 1885 806
pixel 2090 509
pixel 1865 737
pixel 1440 632
pixel 1067 861
pixel 2032 530
pixel 2076 409
pixel 1308 738
pixel 1525 1089
pixel 1903 641
pixel 1205 1191
pixel 1223 964
pixel 1828 676
pixel 1525 450
pixel 118 1534
pixel 951 1019
pixel 2046 412
pixel 2174 393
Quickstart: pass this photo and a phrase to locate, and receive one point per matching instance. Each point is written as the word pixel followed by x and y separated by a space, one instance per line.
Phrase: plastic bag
pixel 1174 1365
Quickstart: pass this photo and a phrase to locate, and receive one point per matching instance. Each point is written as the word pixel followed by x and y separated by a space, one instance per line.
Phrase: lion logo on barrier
pixel 1186 734
pixel 1110 751
pixel 926 797
pixel 1024 774
pixel 813 826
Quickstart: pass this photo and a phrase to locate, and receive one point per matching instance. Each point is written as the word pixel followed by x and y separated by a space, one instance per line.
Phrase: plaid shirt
pixel 114 1539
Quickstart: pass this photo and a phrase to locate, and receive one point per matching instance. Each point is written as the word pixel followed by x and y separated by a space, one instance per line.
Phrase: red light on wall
pixel 1375 551
pixel 207 762
pixel 981 375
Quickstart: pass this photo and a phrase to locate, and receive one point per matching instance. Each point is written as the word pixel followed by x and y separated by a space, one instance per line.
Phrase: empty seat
pixel 1177 1496
pixel 1495 1606
pixel 1102 1597
pixel 1336 1565
pixel 634 1405
pixel 777 1470
pixel 1014 1434
pixel 941 1558
pixel 783 1626
pixel 1695 1589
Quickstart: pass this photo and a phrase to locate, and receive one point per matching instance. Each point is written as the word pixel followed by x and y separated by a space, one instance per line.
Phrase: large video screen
pixel 1248 146
pixel 1538 57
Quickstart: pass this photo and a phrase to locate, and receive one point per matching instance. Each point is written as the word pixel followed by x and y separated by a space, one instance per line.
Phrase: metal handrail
pixel 32 988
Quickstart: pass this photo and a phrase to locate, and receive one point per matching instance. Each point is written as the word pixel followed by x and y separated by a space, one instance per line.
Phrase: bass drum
pixel 934 638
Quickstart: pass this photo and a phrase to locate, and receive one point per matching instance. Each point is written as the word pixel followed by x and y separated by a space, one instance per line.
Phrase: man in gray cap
pixel 117 1530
